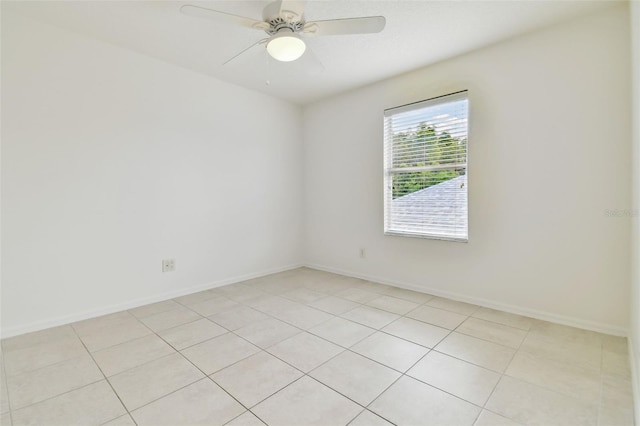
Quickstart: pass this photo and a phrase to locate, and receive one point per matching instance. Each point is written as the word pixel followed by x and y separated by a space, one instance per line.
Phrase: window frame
pixel 389 171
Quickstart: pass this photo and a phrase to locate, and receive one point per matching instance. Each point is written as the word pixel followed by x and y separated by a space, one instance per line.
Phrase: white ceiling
pixel 417 33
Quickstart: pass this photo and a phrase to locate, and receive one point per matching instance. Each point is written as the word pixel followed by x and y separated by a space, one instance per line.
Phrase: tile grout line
pixel 306 330
pixel 105 378
pixel 6 385
pixel 503 374
pixel 601 393
pixel 206 376
pixel 279 295
pixel 303 373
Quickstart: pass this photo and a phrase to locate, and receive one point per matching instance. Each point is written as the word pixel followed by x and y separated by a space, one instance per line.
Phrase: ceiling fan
pixel 286 26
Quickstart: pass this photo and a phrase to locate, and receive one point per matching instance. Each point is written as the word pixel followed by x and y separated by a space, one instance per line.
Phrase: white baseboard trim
pixel 67 319
pixel 518 310
pixel 635 378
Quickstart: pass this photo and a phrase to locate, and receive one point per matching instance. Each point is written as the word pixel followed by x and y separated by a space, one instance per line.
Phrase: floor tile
pixel 277 287
pixel 238 317
pixel 342 332
pixel 348 282
pixel 334 305
pixel 122 357
pixel 487 418
pixel 374 287
pixel 410 402
pixel 578 354
pixel 246 419
pixel 357 295
pixel 439 317
pixel 303 317
pixel 615 417
pixel 558 333
pixel 41 355
pixel 219 352
pixel 616 363
pixel 148 382
pixel 617 392
pixel 189 334
pixel 38 385
pixel 493 332
pixel 553 374
pixel 213 306
pixel 410 295
pixel 452 305
pixel 113 334
pixel 391 351
pixel 92 404
pixel 615 344
pixel 416 331
pixel 125 420
pixel 505 318
pixel 307 402
pixel 91 325
pixel 170 319
pixel 462 379
pixel 192 298
pixel 154 308
pixel 393 305
pixel 256 378
pixel 563 378
pixel 477 351
pixel 355 376
pixel 303 295
pixel 274 305
pixel 267 333
pixel 4 397
pixel 305 351
pixel 238 292
pixel 231 289
pixel 530 404
pixel 201 403
pixel 325 286
pixel 367 418
pixel 371 317
pixel 38 337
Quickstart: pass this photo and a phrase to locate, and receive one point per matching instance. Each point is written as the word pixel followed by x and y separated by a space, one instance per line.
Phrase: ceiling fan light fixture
pixel 286 46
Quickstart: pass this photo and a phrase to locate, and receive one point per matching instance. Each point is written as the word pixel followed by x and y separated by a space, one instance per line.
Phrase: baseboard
pixel 546 316
pixel 67 319
pixel 518 310
pixel 635 378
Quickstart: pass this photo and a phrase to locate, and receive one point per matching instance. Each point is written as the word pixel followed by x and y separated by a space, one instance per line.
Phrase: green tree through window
pixel 434 149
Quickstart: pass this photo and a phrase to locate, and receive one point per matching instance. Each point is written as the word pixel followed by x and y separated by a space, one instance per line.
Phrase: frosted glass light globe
pixel 286 46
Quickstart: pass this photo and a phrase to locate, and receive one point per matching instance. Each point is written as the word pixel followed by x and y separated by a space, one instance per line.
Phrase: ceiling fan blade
pixel 277 6
pixel 222 17
pixel 264 40
pixel 365 25
pixel 293 9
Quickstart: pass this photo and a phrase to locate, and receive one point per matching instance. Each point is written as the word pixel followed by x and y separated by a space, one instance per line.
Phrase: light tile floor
pixel 305 347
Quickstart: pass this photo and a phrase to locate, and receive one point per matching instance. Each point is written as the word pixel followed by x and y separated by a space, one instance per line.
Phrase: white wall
pixel 634 333
pixel 549 153
pixel 112 161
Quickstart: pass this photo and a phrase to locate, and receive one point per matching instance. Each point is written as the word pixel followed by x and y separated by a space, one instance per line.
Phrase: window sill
pixel 426 236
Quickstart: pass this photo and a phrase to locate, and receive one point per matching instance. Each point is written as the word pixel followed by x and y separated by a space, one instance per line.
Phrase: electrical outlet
pixel 168 265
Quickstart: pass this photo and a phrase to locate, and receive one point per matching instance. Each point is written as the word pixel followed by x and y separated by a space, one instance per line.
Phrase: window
pixel 425 168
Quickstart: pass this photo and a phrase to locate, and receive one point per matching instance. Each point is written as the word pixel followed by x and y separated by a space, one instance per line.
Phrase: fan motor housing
pixel 279 23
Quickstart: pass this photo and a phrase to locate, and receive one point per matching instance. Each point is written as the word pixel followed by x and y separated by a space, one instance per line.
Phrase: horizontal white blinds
pixel 426 168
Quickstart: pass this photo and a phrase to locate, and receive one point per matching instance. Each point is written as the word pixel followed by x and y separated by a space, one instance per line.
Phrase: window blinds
pixel 425 168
